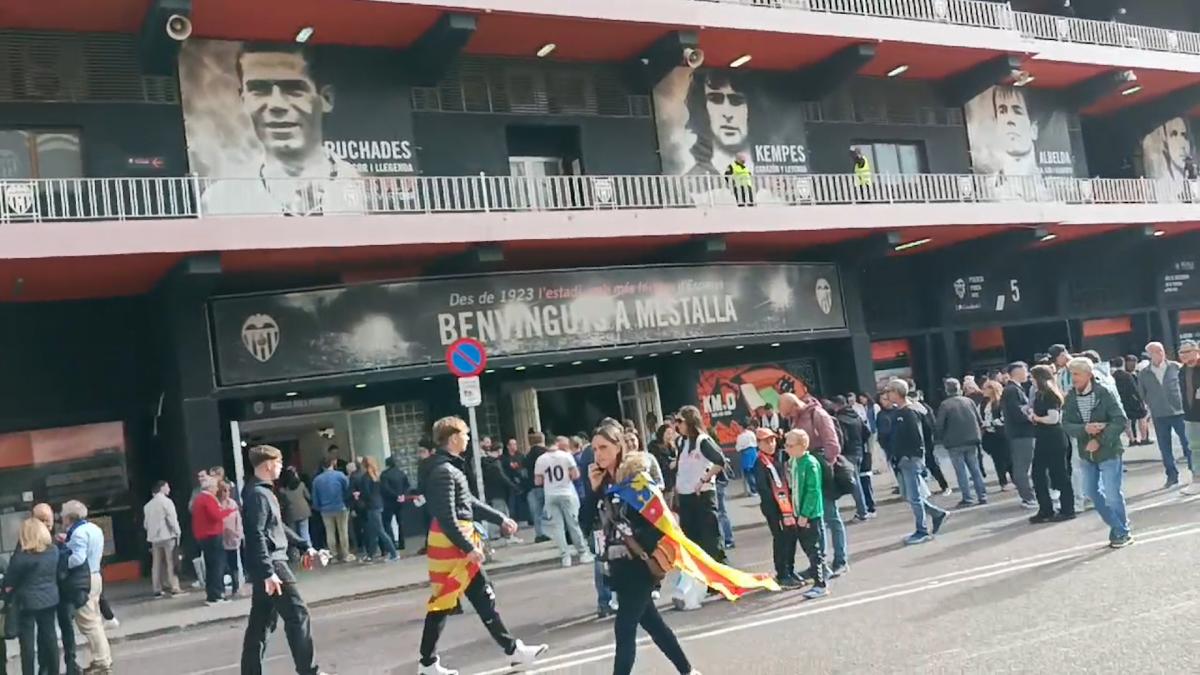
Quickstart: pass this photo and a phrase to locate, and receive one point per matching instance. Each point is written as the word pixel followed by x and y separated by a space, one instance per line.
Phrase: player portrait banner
pixel 1166 149
pixel 263 338
pixel 289 129
pixel 1015 131
pixel 706 117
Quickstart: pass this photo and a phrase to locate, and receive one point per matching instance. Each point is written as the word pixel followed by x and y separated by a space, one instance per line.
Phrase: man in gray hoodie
pixel 959 425
pixel 1159 386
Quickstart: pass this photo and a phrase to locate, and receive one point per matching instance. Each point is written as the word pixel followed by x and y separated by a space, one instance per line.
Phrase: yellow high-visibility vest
pixel 863 172
pixel 741 175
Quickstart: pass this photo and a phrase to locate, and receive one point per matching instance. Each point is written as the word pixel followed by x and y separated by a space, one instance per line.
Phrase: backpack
pixel 838 478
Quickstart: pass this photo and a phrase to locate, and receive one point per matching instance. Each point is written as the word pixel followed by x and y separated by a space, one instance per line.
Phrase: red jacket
pixel 208 518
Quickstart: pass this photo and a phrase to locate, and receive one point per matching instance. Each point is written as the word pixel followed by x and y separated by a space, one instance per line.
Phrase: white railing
pixel 1108 33
pixel 978 13
pixel 190 197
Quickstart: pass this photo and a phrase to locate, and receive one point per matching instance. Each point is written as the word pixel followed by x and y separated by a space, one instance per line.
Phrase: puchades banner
pixel 354 328
pixel 1015 131
pixel 706 117
pixel 288 129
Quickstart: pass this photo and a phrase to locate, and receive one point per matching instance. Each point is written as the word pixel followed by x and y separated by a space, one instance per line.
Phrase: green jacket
pixel 806 487
pixel 1109 411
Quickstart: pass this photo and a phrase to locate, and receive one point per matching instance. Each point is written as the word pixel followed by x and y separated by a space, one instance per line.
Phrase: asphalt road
pixel 991 594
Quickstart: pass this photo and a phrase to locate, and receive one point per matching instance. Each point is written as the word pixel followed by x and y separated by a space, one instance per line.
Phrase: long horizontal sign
pixel 355 328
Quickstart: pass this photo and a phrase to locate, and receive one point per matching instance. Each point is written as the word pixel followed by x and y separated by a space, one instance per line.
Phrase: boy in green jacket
pixel 808 504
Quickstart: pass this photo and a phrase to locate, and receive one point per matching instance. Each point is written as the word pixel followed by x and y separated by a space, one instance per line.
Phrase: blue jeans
pixel 537 504
pixel 966 466
pixel 723 515
pixel 1103 483
pixel 375 536
pixel 301 528
pixel 603 592
pixel 1163 426
pixel 832 523
pixel 860 498
pixel 916 492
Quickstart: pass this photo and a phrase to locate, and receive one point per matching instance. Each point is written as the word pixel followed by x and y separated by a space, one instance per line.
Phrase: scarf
pixel 779 490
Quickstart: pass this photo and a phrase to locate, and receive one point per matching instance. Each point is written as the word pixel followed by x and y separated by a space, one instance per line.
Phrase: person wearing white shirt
pixel 746 445
pixel 770 418
pixel 85 541
pixel 162 533
pixel 555 472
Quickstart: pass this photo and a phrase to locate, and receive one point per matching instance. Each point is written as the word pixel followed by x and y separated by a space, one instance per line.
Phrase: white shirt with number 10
pixel 555 468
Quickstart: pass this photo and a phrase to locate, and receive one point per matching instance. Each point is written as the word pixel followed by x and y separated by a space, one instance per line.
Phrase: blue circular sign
pixel 466 357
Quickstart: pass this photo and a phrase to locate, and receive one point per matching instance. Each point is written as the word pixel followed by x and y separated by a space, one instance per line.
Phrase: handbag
pixel 9 618
pixel 659 561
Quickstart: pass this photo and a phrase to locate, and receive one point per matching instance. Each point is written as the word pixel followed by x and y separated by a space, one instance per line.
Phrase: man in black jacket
pixel 456 552
pixel 770 470
pixel 497 487
pixel 1019 429
pixel 266 562
pixel 394 486
pixel 854 448
pixel 907 448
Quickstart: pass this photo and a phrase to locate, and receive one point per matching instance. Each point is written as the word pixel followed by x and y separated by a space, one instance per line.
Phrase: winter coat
pixel 34 579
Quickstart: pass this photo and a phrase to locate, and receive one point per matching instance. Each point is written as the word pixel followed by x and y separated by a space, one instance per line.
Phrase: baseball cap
pixel 763 433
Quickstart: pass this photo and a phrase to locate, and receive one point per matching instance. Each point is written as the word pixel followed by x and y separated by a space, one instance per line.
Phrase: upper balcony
pixel 104 217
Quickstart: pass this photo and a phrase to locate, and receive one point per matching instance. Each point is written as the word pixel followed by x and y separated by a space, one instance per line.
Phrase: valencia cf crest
pixel 260 335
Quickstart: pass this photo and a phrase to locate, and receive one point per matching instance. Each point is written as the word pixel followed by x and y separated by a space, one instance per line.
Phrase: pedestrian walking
pixel 162 533
pixel 32 582
pixel 1159 386
pixel 456 551
pixel 394 485
pixel 1094 417
pixel 208 524
pixel 746 446
pixel 1019 431
pixel 777 508
pixel 85 542
pixel 1051 446
pixel 995 441
pixel 555 475
pixel 856 449
pixel 232 536
pixel 330 491
pixel 275 594
pixel 497 488
pixel 296 504
pixel 377 542
pixel 535 498
pixel 908 448
pixel 928 425
pixel 73 587
pixel 700 460
pixel 666 453
pixel 1131 397
pixel 808 502
pixel 959 425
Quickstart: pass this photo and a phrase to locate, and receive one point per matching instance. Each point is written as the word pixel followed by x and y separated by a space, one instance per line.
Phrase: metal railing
pixel 1108 33
pixel 978 13
pixel 191 197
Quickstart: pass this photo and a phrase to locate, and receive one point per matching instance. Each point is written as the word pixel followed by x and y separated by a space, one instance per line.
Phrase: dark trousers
pixel 214 567
pixel 377 542
pixel 482 597
pixel 392 513
pixel 38 640
pixel 636 608
pixel 698 519
pixel 232 567
pixel 358 531
pixel 811 540
pixel 265 611
pixel 935 469
pixel 66 626
pixel 996 445
pixel 783 548
pixel 1050 468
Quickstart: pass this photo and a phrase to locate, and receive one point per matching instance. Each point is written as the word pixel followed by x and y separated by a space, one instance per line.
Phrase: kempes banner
pixel 258 116
pixel 354 328
pixel 706 117
pixel 1018 132
pixel 728 396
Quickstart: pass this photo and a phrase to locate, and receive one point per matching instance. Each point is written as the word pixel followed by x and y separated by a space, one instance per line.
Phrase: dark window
pixel 895 157
pixel 40 153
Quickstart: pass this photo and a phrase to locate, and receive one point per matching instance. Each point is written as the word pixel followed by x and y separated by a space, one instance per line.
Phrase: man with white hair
pixel 85 541
pixel 907 447
pixel 1160 389
pixel 1094 418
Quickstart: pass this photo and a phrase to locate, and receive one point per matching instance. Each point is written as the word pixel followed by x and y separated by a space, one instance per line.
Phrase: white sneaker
pixel 612 602
pixel 112 623
pixel 525 655
pixel 434 668
pixel 566 560
pixel 1190 489
pixel 587 557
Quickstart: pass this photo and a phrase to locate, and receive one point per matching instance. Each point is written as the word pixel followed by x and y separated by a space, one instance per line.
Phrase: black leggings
pixel 38 640
pixel 1050 469
pixel 935 468
pixel 698 520
pixel 483 598
pixel 635 608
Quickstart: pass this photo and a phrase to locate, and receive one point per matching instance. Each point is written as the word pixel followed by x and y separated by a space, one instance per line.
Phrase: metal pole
pixel 478 461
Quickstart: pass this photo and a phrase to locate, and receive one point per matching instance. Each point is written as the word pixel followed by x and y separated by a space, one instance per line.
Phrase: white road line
pixel 867 597
pixel 233 666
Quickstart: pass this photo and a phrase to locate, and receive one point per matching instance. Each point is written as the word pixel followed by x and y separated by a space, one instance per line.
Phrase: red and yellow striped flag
pixel 450 572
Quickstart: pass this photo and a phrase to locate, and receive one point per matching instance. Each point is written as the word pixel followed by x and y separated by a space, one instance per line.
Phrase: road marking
pixel 233 666
pixel 594 654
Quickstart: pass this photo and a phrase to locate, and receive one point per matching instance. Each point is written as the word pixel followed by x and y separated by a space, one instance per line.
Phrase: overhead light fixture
pixel 361 385
pixel 1159 233
pixel 740 61
pixel 913 244
pixel 549 365
pixel 898 70
pixel 427 378
pixel 604 360
pixel 629 357
pixel 676 352
pixel 655 354
pixel 519 368
pixel 290 394
pixel 740 347
pixel 489 371
pixel 697 351
pixel 577 363
pixel 304 34
pixel 1130 91
pixel 1022 78
pixel 546 50
pixel 1048 237
pixel 244 444
pixel 774 344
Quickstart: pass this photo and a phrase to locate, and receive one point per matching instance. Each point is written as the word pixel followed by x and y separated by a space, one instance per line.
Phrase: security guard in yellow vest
pixel 862 167
pixel 742 180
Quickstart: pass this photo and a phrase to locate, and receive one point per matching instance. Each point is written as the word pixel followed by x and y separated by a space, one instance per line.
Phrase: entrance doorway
pixel 564 406
pixel 306 439
pixel 536 155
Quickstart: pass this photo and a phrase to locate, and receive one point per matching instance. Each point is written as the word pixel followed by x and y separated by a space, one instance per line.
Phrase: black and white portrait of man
pixel 824 295
pixel 1018 132
pixel 1166 150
